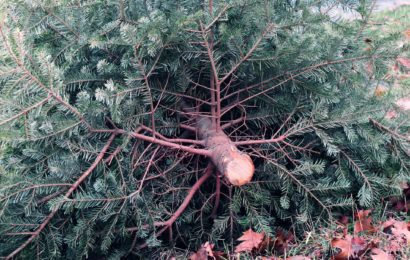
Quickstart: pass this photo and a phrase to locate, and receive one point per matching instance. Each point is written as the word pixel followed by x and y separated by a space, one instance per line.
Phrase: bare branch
pixel 233 122
pixel 155 140
pixel 262 141
pixel 226 7
pixel 185 203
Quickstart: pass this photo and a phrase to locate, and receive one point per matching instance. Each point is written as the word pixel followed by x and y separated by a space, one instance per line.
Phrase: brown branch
pixel 155 140
pixel 217 17
pixel 146 76
pixel 33 187
pixel 263 141
pixel 214 79
pixel 180 95
pixel 73 187
pixel 386 129
pixel 150 163
pixel 188 127
pixel 217 195
pixel 191 193
pixel 184 204
pixel 233 122
pixel 25 111
pixel 174 140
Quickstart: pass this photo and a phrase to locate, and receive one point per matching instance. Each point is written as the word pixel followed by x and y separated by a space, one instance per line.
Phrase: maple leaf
pixel 403 103
pixel 380 91
pixel 401 229
pixel 407 33
pixel 404 61
pixel 378 254
pixel 364 222
pixel 391 114
pixel 250 240
pixel 344 220
pixel 349 247
pixel 282 240
pixel 203 253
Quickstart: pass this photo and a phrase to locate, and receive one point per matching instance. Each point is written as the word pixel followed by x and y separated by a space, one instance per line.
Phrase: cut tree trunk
pixel 236 166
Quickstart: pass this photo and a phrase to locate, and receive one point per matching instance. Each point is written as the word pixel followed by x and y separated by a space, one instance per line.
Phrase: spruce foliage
pixel 96 152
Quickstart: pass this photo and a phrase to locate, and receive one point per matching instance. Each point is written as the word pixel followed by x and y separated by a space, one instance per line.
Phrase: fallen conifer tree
pixel 147 127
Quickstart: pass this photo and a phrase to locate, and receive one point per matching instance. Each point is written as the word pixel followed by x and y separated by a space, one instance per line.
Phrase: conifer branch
pixel 208 172
pixel 388 130
pixel 25 111
pixel 298 183
pixel 248 54
pixel 357 169
pixel 26 71
pixel 73 187
pixel 291 75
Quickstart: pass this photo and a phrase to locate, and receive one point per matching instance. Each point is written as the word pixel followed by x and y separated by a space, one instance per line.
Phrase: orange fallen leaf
pixel 404 61
pixel 378 254
pixel 349 247
pixel 401 229
pixel 203 253
pixel 282 240
pixel 407 34
pixel 251 240
pixel 344 220
pixel 403 103
pixel 380 90
pixel 364 222
pixel 391 114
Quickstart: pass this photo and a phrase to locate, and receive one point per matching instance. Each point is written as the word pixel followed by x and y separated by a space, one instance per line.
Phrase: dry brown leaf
pixel 404 61
pixel 401 229
pixel 388 223
pixel 403 103
pixel 282 240
pixel 364 222
pixel 380 91
pixel 251 240
pixel 391 114
pixel 407 34
pixel 378 254
pixel 203 252
pixel 298 257
pixel 349 247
